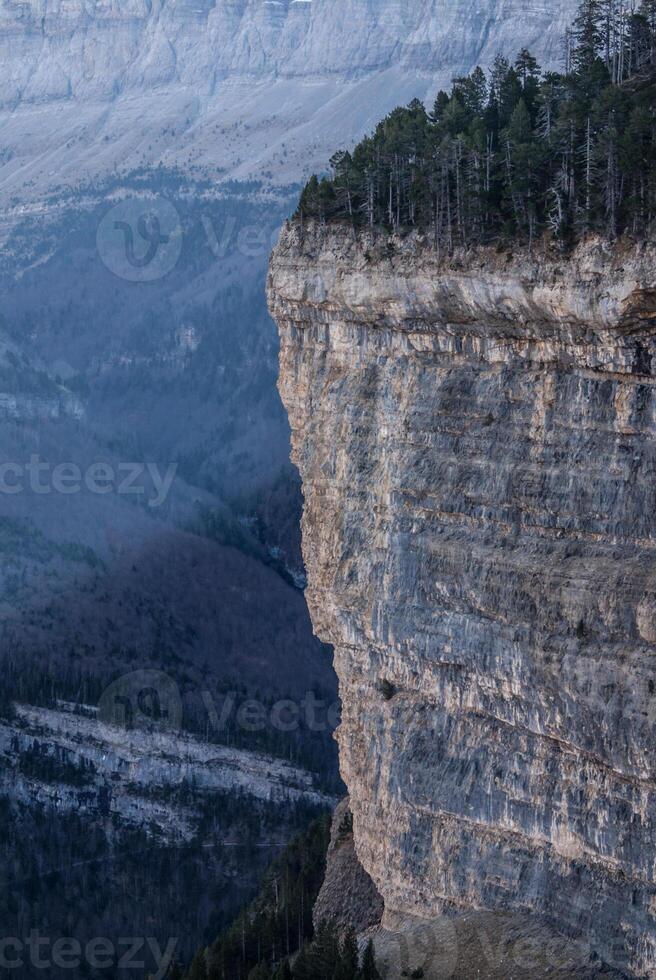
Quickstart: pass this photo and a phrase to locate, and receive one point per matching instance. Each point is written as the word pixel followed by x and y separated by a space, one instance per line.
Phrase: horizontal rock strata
pixel 476 438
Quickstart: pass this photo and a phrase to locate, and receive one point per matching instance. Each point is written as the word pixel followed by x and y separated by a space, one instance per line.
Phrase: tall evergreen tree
pixel 527 67
pixel 198 968
pixel 369 970
pixel 325 951
pixel 348 964
pixel 283 971
pixel 260 972
pixel 588 36
pixel 648 12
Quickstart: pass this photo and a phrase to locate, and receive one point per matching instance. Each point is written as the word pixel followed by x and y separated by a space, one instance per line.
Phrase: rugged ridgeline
pixel 248 87
pixel 476 439
pixel 202 42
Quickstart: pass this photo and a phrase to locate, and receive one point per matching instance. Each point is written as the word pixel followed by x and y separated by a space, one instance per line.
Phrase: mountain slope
pixel 238 88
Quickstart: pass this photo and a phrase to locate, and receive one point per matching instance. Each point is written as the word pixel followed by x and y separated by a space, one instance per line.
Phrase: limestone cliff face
pixel 477 442
pixel 79 49
pixel 241 89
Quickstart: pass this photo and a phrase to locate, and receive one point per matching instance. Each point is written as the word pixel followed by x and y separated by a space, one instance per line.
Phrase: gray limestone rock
pixel 348 897
pixel 245 88
pixel 477 442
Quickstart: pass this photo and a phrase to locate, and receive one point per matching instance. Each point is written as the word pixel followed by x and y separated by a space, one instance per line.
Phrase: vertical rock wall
pixel 477 442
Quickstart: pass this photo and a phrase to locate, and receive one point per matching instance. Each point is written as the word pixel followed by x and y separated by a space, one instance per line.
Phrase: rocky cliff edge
pixel 477 441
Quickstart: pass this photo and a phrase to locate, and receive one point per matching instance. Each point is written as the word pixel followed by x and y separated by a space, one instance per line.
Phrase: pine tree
pixel 472 91
pixel 368 970
pixel 522 160
pixel 308 206
pixel 325 951
pixel 345 181
pixel 527 67
pixel 610 113
pixel 550 98
pixel 528 72
pixel 588 36
pixel 260 972
pixel 505 91
pixel 648 12
pixel 198 969
pixel 347 967
pixel 441 102
pixel 639 155
pixel 303 966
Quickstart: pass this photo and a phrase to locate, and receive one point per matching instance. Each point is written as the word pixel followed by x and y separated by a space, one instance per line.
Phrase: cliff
pixel 476 439
pixel 57 50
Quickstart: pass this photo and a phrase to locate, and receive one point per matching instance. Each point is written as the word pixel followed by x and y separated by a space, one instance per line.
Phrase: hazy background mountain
pixel 238 88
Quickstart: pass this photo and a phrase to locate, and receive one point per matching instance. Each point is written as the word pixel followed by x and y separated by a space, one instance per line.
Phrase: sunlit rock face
pixel 477 443
pixel 84 48
pixel 236 88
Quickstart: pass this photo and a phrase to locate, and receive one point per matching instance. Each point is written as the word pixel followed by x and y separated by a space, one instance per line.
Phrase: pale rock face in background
pixel 476 441
pixel 255 87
